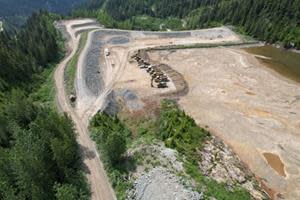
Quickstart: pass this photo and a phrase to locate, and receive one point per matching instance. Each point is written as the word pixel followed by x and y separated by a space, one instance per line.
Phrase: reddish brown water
pixel 275 162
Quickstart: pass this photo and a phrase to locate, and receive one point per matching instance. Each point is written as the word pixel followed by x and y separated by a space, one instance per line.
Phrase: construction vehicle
pixel 162 85
pixel 107 52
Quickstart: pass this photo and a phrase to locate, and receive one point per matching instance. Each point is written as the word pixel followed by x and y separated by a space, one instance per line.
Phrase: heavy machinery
pixel 107 52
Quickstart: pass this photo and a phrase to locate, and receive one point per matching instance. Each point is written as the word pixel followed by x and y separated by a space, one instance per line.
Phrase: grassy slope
pixel 70 71
pixel 149 130
pixel 45 92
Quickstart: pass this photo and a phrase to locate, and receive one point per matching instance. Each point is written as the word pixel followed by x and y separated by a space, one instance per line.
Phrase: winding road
pixel 87 103
pixel 100 186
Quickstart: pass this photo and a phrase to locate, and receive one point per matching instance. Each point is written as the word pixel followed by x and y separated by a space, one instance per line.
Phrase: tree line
pixel 26 8
pixel 39 156
pixel 15 13
pixel 25 54
pixel 270 20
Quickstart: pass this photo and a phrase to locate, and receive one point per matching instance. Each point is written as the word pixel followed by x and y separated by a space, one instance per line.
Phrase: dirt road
pixel 97 75
pixel 100 186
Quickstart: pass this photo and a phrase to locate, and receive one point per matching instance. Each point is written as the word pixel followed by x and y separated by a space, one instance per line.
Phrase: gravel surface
pixel 180 34
pixel 94 53
pixel 220 163
pixel 130 99
pixel 155 178
pixel 92 62
pixel 120 37
pixel 75 26
pixel 63 30
pixel 160 184
pixel 246 104
pixel 95 175
pixel 213 33
pixel 119 40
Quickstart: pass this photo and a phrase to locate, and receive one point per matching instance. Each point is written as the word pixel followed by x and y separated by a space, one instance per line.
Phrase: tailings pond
pixel 282 61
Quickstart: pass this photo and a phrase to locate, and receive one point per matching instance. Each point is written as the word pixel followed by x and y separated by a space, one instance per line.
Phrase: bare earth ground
pixel 250 107
pixel 100 186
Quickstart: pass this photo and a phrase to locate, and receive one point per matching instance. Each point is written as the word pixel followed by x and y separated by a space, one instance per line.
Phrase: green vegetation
pixel 179 131
pixel 111 137
pixel 26 55
pixel 15 13
pixel 26 8
pixel 45 92
pixel 38 152
pixel 175 128
pixel 145 22
pixel 71 68
pixel 270 20
pixel 39 155
pixel 202 45
pixel 140 22
pixel 213 189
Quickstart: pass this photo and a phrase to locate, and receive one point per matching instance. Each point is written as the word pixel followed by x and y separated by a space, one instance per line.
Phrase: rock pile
pixel 156 177
pixel 159 183
pixel 220 163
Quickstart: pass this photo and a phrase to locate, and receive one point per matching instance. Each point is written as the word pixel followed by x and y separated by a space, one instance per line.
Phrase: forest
pixel 25 7
pixel 14 13
pixel 39 155
pixel 271 20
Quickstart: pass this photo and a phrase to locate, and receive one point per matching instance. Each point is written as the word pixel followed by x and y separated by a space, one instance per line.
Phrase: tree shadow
pixel 126 165
pixel 86 153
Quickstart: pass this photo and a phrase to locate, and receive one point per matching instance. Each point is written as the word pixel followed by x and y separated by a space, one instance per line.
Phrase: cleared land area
pixel 97 74
pixel 250 107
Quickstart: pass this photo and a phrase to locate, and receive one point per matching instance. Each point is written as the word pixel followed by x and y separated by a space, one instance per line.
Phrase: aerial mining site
pixel 249 110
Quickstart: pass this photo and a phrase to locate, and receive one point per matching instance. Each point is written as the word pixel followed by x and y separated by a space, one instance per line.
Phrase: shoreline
pixel 274 66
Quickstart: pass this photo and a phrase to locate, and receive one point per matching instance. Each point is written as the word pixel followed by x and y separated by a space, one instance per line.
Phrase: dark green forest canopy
pixel 15 12
pixel 269 20
pixel 39 155
pixel 23 56
pixel 27 7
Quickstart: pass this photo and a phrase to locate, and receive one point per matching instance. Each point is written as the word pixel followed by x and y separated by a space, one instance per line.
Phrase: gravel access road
pixel 97 75
pixel 100 186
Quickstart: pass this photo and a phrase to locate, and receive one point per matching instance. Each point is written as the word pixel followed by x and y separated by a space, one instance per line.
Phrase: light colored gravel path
pixel 100 186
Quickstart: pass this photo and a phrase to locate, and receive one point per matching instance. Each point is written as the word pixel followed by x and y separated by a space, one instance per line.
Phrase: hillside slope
pixel 25 7
pixel 270 20
pixel 15 13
